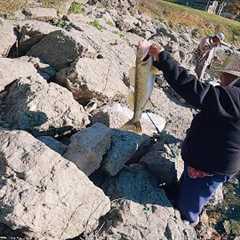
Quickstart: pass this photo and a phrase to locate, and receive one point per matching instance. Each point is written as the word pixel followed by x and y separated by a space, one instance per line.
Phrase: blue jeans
pixel 195 193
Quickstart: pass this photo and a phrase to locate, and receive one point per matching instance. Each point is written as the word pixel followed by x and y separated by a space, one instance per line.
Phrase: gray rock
pixel 54 144
pixel 121 6
pixel 164 161
pixel 58 49
pixel 13 69
pixel 43 109
pixel 116 115
pixel 136 184
pixel 88 147
pixel 7 37
pixel 42 194
pixel 123 146
pixel 186 37
pixel 39 13
pixel 32 32
pixel 144 213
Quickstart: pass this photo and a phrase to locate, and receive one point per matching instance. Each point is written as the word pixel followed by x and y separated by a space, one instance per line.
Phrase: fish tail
pixel 132 126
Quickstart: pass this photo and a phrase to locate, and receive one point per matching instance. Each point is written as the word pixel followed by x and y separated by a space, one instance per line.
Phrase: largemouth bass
pixel 145 74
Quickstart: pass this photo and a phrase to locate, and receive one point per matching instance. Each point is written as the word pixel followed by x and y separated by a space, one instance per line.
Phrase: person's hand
pixel 154 51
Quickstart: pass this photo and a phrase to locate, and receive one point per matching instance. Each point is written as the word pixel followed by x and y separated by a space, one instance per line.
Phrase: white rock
pixel 93 78
pixel 116 115
pixel 114 59
pixel 42 194
pixel 43 109
pixel 13 69
pixel 7 37
pixel 42 14
pixel 88 147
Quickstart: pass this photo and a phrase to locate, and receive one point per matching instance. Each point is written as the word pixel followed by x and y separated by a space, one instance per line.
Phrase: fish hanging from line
pixel 144 75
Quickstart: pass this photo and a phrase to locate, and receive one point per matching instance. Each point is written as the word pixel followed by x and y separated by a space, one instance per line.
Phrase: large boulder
pixel 88 147
pixel 41 108
pixel 164 160
pixel 43 195
pixel 31 32
pixel 7 37
pixel 59 49
pixel 93 78
pixel 116 115
pixel 103 76
pixel 13 69
pixel 144 211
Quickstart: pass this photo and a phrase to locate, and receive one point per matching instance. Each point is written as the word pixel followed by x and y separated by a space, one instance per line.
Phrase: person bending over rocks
pixel 205 52
pixel 211 149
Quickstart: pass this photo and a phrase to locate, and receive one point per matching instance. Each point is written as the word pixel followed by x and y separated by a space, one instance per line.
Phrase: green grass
pixel 96 24
pixel 10 6
pixel 206 23
pixel 76 8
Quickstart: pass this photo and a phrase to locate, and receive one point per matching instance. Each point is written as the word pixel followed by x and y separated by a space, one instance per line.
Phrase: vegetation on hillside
pixel 204 22
pixel 9 6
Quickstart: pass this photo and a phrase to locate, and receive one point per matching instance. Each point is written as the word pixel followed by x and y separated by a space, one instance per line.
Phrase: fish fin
pixel 131 76
pixel 130 99
pixel 132 126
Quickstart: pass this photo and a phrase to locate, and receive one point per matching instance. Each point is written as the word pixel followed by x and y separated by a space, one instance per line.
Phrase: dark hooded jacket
pixel 212 143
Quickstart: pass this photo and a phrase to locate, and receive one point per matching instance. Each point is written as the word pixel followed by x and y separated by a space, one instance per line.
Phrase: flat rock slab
pixel 39 13
pixel 116 115
pixel 42 194
pixel 88 147
pixel 42 109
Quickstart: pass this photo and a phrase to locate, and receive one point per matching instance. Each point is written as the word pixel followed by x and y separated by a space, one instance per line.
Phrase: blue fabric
pixel 195 193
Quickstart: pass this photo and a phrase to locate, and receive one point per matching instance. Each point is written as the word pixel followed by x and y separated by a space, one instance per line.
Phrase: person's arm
pixel 218 100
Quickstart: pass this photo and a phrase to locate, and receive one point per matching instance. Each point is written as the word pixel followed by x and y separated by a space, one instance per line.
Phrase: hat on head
pixel 220 36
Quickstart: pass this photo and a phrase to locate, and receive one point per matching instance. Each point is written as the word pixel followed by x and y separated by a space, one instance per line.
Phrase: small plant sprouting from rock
pixel 96 24
pixel 62 23
pixel 76 8
pixel 110 23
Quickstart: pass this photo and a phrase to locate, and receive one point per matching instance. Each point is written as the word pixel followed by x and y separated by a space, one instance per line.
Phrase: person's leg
pixel 195 193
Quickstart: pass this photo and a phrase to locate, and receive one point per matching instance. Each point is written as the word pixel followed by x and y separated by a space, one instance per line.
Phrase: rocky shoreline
pixel 67 170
